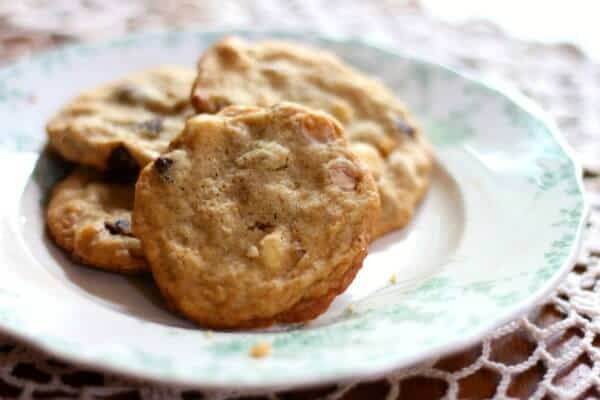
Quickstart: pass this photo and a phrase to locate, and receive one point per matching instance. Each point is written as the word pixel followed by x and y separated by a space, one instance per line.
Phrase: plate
pixel 499 227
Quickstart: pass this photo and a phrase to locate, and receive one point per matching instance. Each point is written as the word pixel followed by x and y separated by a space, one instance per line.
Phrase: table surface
pixel 553 352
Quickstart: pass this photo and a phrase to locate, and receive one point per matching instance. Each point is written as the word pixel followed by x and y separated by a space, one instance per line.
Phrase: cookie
pixel 124 125
pixel 380 129
pixel 91 219
pixel 255 216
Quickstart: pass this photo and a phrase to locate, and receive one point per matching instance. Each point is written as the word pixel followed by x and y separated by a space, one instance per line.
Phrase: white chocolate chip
pixel 252 252
pixel 370 156
pixel 273 250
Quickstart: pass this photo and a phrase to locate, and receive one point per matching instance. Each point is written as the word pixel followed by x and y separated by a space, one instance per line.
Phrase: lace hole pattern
pixel 551 353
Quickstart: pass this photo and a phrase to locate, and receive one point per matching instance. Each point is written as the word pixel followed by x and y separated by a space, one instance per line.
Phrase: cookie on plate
pixel 380 129
pixel 255 216
pixel 124 125
pixel 91 219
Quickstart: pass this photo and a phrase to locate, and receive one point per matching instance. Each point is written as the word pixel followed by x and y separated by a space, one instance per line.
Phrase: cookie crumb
pixel 260 350
pixel 350 309
pixel 394 278
pixel 209 334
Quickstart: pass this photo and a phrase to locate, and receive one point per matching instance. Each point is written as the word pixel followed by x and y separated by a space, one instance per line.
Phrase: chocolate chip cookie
pixel 381 131
pixel 91 219
pixel 255 216
pixel 124 125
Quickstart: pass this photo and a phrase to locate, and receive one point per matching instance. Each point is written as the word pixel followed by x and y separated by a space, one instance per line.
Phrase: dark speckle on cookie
pixel 152 127
pixel 404 127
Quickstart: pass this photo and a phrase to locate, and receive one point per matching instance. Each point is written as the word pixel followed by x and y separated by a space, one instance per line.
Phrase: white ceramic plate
pixel 498 228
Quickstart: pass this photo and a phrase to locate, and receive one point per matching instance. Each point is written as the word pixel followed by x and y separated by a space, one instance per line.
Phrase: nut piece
pixel 318 129
pixel 342 174
pixel 268 155
pixel 260 350
pixel 273 250
pixel 85 238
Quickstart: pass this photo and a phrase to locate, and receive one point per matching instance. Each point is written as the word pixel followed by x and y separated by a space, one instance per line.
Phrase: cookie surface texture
pixel 380 129
pixel 255 216
pixel 125 124
pixel 91 219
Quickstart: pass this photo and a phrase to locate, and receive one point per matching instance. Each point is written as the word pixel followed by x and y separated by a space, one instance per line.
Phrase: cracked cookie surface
pixel 91 219
pixel 382 133
pixel 255 216
pixel 124 124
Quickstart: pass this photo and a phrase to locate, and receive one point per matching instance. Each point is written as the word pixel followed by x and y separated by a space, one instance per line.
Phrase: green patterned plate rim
pixel 499 228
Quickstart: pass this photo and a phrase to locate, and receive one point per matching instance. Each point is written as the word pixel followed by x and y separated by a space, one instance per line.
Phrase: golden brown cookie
pixel 255 216
pixel 380 129
pixel 124 124
pixel 91 219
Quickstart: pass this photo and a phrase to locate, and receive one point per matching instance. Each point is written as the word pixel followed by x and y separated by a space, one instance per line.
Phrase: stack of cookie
pixel 253 200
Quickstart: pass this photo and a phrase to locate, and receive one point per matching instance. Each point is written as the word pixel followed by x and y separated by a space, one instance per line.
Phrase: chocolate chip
pixel 262 226
pixel 126 93
pixel 122 162
pixel 119 227
pixel 151 127
pixel 162 165
pixel 404 127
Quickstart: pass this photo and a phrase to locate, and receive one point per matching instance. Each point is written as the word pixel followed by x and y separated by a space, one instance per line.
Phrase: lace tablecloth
pixel 554 352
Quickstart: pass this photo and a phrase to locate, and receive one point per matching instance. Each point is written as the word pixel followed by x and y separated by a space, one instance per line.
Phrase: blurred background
pixel 43 22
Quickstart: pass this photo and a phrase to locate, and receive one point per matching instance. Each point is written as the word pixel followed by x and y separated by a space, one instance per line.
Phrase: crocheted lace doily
pixel 554 352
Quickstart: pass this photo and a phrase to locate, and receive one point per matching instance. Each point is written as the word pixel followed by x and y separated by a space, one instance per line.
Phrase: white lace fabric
pixel 554 352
